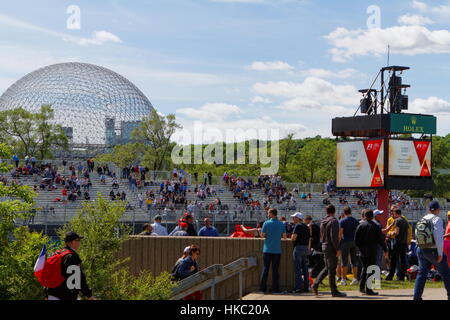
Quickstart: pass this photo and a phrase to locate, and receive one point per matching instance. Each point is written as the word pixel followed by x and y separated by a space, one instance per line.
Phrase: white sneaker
pixel 354 281
pixel 343 282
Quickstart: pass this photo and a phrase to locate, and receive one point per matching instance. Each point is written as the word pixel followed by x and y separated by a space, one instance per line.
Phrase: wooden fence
pixel 158 254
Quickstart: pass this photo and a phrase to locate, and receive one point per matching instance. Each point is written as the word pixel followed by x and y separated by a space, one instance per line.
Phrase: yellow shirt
pixel 391 231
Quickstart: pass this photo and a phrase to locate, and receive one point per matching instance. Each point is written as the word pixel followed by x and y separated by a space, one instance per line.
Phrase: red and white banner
pixel 360 163
pixel 410 158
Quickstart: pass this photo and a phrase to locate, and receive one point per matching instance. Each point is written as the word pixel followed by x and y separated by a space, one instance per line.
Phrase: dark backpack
pixel 424 234
pixel 174 273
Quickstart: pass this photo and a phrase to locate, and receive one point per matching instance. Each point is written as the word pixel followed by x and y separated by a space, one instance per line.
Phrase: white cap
pixel 187 249
pixel 298 215
pixel 377 212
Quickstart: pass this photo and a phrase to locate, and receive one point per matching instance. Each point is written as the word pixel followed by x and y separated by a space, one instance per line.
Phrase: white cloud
pixel 211 112
pixel 414 19
pixel 97 38
pixel 420 5
pixel 259 99
pixel 441 10
pixel 250 126
pixel 311 89
pixel 431 105
pixel 269 66
pixel 406 40
pixel 238 1
pixel 323 73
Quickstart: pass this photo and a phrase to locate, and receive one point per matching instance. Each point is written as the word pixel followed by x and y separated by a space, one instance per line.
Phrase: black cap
pixel 70 236
pixel 434 205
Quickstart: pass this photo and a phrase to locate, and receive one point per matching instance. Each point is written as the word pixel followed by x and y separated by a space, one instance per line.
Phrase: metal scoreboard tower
pixel 399 161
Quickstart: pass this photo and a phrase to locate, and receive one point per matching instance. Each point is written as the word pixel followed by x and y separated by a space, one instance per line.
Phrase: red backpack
pixel 51 276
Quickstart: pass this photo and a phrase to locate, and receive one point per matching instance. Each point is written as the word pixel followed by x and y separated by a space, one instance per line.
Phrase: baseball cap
pixel 187 249
pixel 70 236
pixel 158 217
pixel 434 205
pixel 298 215
pixel 183 225
pixel 377 212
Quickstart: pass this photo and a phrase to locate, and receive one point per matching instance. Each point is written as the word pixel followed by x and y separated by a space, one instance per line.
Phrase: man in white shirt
pixel 158 228
pixel 432 256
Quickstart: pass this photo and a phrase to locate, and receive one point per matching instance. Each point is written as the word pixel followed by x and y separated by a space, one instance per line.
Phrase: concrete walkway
pixel 397 294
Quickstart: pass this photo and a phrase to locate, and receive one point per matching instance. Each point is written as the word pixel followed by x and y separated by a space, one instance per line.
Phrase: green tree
pixel 315 162
pixel 18 247
pixel 32 134
pixel 124 155
pixel 17 124
pixel 109 278
pixel 155 132
pixel 48 135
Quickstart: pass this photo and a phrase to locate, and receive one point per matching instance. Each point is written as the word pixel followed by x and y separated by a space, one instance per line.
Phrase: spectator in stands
pixel 347 228
pixel 329 234
pixel 16 160
pixel 115 183
pixel 191 229
pixel 272 231
pixel 87 196
pixel 112 196
pixel 140 197
pixel 368 237
pixel 64 194
pixel 399 233
pixel 158 228
pixel 208 230
pixel 301 237
pixel 147 230
pixel 209 178
pixel 181 232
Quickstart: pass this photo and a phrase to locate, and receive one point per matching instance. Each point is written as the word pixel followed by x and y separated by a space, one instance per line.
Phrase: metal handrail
pixel 209 277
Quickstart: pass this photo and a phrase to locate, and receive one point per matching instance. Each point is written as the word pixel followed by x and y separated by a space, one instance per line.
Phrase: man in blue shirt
pixel 272 231
pixel 208 230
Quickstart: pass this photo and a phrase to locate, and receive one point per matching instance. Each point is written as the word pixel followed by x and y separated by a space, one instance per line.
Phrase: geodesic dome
pixel 82 96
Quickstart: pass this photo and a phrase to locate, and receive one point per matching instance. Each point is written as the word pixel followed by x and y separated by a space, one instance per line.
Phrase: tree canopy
pixel 32 134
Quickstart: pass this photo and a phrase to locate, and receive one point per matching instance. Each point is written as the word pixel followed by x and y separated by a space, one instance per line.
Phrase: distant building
pixel 87 100
pixel 125 130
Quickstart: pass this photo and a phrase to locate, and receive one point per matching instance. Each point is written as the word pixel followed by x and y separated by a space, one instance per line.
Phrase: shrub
pixel 108 277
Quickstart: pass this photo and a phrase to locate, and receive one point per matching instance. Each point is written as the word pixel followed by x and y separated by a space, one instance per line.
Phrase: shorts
pixel 349 249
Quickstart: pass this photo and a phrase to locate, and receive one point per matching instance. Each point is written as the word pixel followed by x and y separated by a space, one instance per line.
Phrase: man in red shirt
pixel 64 194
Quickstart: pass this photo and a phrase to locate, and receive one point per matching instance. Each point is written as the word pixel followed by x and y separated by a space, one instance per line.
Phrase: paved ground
pixel 398 294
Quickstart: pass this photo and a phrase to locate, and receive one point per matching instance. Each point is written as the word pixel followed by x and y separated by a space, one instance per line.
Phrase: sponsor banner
pixel 410 158
pixel 413 123
pixel 360 164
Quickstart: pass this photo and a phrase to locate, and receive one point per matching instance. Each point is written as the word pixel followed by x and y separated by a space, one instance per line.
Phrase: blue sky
pixel 285 64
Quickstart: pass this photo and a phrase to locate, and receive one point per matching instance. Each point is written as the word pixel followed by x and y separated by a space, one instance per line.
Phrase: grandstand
pixel 52 212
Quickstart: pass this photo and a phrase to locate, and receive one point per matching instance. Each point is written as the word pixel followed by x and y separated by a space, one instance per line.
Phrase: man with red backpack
pixel 62 275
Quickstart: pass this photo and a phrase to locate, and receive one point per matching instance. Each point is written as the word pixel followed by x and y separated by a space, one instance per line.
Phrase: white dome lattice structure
pixel 82 96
